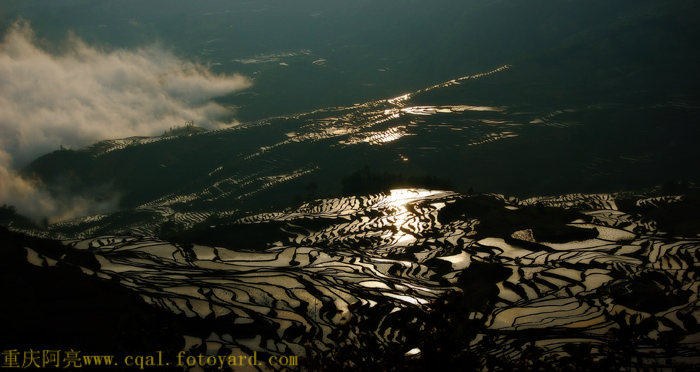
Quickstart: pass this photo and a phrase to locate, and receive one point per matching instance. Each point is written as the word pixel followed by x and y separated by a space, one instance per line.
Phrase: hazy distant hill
pixel 372 49
pixel 611 108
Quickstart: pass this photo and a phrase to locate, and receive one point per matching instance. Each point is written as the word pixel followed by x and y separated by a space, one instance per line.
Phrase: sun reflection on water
pixel 397 215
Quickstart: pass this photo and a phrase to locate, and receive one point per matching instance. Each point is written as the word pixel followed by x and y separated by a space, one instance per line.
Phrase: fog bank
pixel 86 94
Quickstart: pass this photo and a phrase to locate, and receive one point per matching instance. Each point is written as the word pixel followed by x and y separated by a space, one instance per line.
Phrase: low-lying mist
pixel 85 94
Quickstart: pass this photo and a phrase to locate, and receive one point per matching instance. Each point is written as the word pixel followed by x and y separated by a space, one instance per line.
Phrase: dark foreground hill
pixel 397 281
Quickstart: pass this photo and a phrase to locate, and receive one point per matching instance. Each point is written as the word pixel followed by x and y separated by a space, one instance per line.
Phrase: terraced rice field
pixel 374 264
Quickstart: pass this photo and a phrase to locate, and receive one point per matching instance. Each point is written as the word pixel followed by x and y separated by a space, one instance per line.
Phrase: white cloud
pixel 33 201
pixel 86 94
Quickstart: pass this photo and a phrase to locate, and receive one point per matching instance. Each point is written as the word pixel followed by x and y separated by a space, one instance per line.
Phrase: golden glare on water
pixel 399 197
pixel 431 110
pixel 399 216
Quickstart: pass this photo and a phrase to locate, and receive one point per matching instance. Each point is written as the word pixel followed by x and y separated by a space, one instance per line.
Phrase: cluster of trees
pixel 7 210
pixel 189 127
pixel 9 216
pixel 366 182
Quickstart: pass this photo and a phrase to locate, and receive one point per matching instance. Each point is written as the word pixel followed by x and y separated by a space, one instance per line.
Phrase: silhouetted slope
pixel 455 279
pixel 61 308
